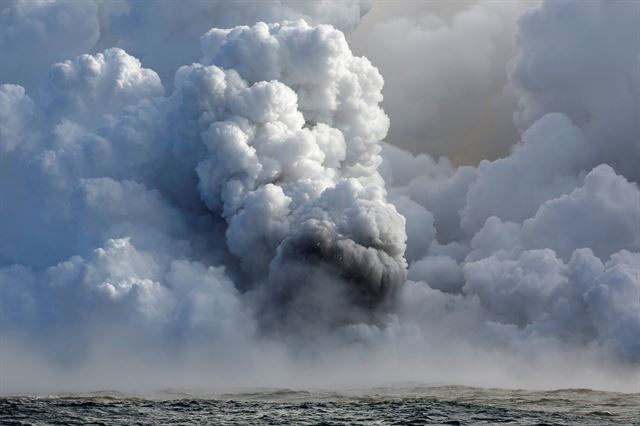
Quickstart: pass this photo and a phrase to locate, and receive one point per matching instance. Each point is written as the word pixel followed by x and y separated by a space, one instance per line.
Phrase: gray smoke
pixel 293 171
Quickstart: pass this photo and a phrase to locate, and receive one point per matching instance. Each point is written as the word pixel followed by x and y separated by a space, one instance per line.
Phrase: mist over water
pixel 201 196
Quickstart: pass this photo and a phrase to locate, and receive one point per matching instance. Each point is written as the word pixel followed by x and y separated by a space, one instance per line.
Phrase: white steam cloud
pixel 164 35
pixel 190 196
pixel 546 239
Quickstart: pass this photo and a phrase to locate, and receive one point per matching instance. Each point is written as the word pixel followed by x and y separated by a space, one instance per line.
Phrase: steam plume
pixel 187 204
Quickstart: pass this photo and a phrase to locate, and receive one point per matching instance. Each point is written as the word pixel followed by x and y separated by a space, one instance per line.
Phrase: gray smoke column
pixel 292 167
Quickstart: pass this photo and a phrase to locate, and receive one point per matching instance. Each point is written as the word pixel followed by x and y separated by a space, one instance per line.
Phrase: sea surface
pixel 445 405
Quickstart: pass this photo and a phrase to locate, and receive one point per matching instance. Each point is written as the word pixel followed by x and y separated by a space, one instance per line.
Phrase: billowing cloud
pixel 601 215
pixel 544 239
pixel 35 34
pixel 273 171
pixel 190 187
pixel 600 96
pixel 163 35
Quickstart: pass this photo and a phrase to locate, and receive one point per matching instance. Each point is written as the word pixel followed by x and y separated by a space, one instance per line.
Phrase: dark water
pixel 451 405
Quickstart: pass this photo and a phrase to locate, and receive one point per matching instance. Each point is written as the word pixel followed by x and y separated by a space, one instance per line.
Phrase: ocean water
pixel 450 405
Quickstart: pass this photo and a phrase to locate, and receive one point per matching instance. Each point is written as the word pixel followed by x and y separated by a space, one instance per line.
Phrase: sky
pixel 215 194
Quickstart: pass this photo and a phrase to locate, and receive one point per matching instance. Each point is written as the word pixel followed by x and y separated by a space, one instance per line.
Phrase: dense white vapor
pixel 546 238
pixel 166 35
pixel 302 184
pixel 600 96
pixel 35 34
pixel 545 165
pixel 190 196
pixel 130 193
pixel 85 89
pixel 580 301
pixel 602 215
pixel 163 35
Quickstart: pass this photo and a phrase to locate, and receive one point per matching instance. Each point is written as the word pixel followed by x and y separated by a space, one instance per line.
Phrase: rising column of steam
pixel 292 167
pixel 263 161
